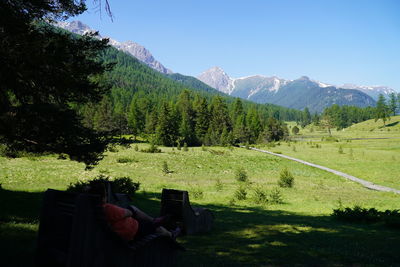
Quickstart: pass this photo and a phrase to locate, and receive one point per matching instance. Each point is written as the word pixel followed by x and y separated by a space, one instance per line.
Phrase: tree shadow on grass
pixel 240 237
pixel 19 217
pixel 259 237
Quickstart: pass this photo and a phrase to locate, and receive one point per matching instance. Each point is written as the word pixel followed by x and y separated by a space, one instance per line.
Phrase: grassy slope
pixel 298 231
pixel 375 160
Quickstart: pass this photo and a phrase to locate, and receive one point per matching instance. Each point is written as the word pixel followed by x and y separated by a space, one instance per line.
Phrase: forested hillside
pixel 176 109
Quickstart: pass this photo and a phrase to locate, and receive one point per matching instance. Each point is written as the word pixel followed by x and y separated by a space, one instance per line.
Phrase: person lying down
pixel 131 223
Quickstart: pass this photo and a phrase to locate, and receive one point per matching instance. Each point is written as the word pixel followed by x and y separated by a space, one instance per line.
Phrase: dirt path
pixel 365 183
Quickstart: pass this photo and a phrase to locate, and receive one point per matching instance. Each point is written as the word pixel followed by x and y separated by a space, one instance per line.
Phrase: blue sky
pixel 331 41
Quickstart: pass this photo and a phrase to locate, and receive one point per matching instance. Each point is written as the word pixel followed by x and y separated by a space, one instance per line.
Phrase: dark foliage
pixel 123 185
pixel 358 214
pixel 44 71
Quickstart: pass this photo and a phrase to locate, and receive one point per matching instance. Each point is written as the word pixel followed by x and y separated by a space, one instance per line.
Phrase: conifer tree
pixel 219 117
pixel 393 103
pixel 254 125
pixel 382 110
pixel 202 119
pixel 104 119
pixel 135 118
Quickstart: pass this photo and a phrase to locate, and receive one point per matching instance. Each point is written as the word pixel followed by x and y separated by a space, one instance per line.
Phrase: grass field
pixel 298 231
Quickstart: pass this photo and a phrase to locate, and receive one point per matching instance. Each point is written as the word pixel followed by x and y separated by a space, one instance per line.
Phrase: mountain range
pixel 298 94
pixel 132 48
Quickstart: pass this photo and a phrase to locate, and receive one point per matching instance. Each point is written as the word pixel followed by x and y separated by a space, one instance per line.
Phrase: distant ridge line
pixel 364 183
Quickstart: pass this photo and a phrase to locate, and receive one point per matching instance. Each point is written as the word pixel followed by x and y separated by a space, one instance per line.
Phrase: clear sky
pixel 333 41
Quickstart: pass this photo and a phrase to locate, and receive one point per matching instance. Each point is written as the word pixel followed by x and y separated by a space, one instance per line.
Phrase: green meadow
pixel 250 228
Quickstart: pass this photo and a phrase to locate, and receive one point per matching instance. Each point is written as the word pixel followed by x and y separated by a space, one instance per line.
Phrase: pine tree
pixel 393 103
pixel 44 73
pixel 202 119
pixel 166 130
pixel 274 130
pixel 254 125
pixel 382 110
pixel 219 118
pixel 187 117
pixel 136 120
pixel 306 118
pixel 104 119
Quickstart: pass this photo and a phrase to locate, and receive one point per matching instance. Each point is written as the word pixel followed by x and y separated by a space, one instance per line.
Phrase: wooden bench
pixel 193 219
pixel 73 232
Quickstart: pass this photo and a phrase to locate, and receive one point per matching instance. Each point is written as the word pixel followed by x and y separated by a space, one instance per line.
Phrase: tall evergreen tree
pixel 382 110
pixel 254 125
pixel 187 116
pixel 43 73
pixel 219 115
pixel 103 118
pixel 136 118
pixel 202 118
pixel 275 130
pixel 393 103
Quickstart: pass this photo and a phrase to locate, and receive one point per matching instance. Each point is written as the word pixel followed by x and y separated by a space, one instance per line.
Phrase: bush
pixel 125 160
pixel 241 175
pixel 136 148
pixel 260 195
pixel 240 193
pixel 295 130
pixel 275 197
pixel 358 214
pixel 340 150
pixel 185 147
pixel 165 168
pixel 122 185
pixel 286 179
pixel 152 149
pixel 197 193
pixel 219 185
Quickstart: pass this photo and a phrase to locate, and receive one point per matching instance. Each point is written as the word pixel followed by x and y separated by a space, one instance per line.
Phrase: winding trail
pixel 364 183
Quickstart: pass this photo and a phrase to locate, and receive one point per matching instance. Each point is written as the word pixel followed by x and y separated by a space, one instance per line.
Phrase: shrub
pixel 203 148
pixel 340 150
pixel 286 178
pixel 125 160
pixel 112 148
pixel 295 130
pixel 260 195
pixel 241 175
pixel 275 197
pixel 240 193
pixel 152 149
pixel 390 218
pixel 219 185
pixel 125 185
pixel 197 192
pixel 178 146
pixel 185 147
pixel 136 148
pixel 165 168
pixel 122 185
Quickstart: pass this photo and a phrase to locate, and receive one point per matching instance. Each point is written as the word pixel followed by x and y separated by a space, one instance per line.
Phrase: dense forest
pixel 177 109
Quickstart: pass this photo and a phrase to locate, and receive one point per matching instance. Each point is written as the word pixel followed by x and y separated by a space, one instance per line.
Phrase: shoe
pixel 161 221
pixel 175 233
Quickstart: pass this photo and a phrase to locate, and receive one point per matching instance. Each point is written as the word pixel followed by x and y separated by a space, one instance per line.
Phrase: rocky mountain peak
pixel 132 48
pixel 217 78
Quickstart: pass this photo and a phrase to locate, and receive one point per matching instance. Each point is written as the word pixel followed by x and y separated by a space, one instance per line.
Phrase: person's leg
pixel 140 215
